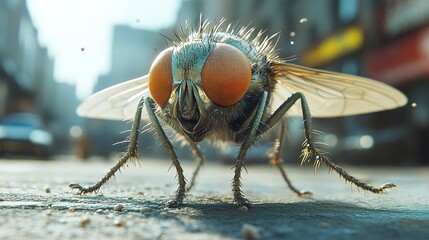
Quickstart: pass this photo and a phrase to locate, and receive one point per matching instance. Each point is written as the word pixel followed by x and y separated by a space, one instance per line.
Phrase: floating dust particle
pixel 49 212
pixel 118 207
pixel 303 20
pixel 292 34
pixel 82 49
pixel 84 221
pixel 292 42
pixel 413 104
pixel 137 20
pixel 47 190
pixel 251 232
pixel 72 209
pixel 243 208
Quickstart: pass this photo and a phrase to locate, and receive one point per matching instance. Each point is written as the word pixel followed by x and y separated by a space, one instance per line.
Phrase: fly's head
pixel 204 82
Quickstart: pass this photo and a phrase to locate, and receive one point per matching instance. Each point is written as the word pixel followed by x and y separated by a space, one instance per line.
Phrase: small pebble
pixel 118 207
pixel 145 210
pixel 119 223
pixel 243 208
pixel 414 105
pixel 99 211
pixel 250 231
pixel 303 20
pixel 72 209
pixel 325 225
pixel 47 190
pixel 84 221
pixel 163 214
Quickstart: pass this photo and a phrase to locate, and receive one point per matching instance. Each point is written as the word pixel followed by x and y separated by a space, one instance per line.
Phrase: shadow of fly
pixel 229 85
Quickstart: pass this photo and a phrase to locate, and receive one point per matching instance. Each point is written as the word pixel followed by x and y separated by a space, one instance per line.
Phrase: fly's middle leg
pixel 310 149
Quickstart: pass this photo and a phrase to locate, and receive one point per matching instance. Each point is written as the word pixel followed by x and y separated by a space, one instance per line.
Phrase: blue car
pixel 23 134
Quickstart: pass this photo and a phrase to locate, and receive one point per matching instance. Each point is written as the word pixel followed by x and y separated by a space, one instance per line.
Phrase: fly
pixel 231 86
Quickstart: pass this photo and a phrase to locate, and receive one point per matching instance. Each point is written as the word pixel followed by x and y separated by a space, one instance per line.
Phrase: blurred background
pixel 53 54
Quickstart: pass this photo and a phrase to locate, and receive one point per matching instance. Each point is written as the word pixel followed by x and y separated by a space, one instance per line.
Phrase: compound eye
pixel 226 75
pixel 160 77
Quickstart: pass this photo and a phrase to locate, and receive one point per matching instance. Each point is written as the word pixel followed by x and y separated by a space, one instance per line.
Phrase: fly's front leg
pixel 310 150
pixel 129 154
pixel 196 151
pixel 277 161
pixel 239 199
pixel 180 193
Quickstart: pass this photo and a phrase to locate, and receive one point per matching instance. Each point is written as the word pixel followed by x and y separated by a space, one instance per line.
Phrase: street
pixel 35 203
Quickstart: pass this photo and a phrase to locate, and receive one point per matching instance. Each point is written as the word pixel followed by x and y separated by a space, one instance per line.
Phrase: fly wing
pixel 118 102
pixel 331 94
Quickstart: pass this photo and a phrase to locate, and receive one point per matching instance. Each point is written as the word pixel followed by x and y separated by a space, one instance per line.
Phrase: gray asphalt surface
pixel 35 203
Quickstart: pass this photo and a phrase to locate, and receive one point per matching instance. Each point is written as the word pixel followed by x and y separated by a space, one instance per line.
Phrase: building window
pixel 350 66
pixel 347 10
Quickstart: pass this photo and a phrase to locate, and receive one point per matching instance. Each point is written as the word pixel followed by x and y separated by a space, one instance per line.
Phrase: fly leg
pixel 277 161
pixel 310 150
pixel 196 151
pixel 239 199
pixel 129 154
pixel 181 190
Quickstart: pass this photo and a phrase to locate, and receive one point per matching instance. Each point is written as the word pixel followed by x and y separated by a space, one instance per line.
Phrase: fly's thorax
pixel 246 47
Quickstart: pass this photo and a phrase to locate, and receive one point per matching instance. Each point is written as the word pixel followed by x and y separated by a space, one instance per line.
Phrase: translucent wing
pixel 118 102
pixel 331 94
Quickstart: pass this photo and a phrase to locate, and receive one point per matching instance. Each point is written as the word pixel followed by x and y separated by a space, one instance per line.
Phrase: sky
pixel 78 33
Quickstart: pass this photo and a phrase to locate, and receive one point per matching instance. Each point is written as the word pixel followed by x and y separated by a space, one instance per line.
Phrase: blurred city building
pixel 27 83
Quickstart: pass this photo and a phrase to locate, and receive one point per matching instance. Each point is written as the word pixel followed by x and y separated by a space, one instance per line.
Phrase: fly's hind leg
pixel 129 154
pixel 196 151
pixel 310 150
pixel 277 161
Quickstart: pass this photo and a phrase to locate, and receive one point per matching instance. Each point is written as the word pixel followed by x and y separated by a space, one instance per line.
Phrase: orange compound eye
pixel 160 77
pixel 226 75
